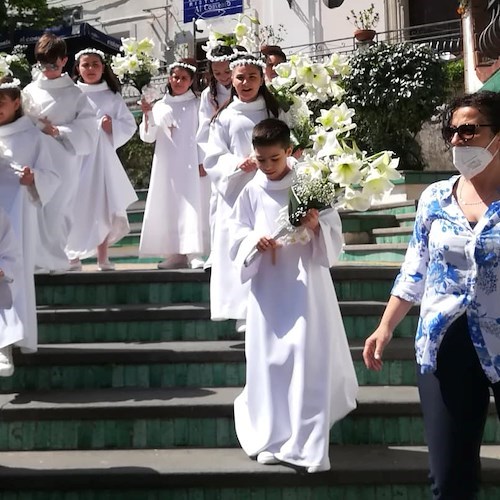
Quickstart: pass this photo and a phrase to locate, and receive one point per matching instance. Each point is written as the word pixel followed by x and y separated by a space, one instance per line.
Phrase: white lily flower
pixel 240 30
pixel 356 200
pixel 332 146
pixel 387 166
pixel 377 185
pixel 346 170
pixel 146 46
pixel 129 45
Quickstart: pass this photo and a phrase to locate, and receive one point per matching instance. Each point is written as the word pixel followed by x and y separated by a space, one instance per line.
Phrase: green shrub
pixel 394 89
pixel 137 158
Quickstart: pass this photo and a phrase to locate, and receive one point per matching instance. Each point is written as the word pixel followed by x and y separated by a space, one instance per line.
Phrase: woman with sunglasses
pixel 451 269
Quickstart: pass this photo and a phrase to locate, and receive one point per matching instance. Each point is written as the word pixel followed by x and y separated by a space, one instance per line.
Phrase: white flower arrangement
pixel 137 65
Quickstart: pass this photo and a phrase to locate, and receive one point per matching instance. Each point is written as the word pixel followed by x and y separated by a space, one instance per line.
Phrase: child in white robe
pixel 230 165
pixel 212 98
pixel 173 217
pixel 28 180
pixel 63 112
pixel 104 191
pixel 300 377
pixel 11 328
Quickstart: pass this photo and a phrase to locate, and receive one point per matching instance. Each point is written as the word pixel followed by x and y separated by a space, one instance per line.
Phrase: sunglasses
pixel 47 66
pixel 465 131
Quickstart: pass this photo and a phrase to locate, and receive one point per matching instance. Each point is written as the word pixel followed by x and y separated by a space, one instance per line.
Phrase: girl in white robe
pixel 211 99
pixel 300 377
pixel 63 112
pixel 229 164
pixel 23 193
pixel 173 217
pixel 104 191
pixel 11 328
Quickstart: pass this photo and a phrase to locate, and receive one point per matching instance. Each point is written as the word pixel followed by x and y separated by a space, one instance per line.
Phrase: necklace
pixel 463 202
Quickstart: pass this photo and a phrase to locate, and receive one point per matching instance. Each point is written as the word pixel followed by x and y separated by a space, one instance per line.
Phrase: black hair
pixel 220 50
pixel 273 50
pixel 107 74
pixel 485 101
pixel 272 104
pixel 271 132
pixel 12 93
pixel 194 85
pixel 49 48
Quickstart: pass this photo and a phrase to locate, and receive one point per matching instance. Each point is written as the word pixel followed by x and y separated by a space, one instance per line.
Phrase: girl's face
pixel 247 80
pixel 90 68
pixel 8 108
pixel 180 80
pixel 222 73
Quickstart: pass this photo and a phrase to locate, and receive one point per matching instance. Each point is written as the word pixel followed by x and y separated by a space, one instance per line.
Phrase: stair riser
pixel 130 239
pixel 215 374
pixel 172 293
pixel 135 217
pixel 356 327
pixel 198 432
pixel 393 239
pixel 372 256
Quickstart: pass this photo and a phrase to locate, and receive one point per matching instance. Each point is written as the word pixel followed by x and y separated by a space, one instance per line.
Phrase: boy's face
pixel 272 160
pixel 54 70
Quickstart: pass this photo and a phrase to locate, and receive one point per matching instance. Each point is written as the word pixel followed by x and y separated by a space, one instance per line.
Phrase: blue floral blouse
pixel 451 268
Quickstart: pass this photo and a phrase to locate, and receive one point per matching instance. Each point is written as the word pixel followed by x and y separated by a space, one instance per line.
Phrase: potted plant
pixel 365 21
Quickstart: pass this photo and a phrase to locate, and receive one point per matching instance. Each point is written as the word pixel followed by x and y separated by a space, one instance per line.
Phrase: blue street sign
pixel 194 9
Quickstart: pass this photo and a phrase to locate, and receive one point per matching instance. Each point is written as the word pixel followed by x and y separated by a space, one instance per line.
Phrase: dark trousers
pixel 455 402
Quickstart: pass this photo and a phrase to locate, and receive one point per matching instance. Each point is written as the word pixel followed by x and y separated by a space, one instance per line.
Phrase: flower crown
pixel 246 62
pixel 14 84
pixel 176 64
pixel 224 58
pixel 89 50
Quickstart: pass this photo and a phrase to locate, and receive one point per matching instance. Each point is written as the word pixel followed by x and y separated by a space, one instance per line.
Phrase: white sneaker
pixel 267 458
pixel 313 469
pixel 176 261
pixel 6 364
pixel 197 263
pixel 75 266
pixel 241 325
pixel 106 266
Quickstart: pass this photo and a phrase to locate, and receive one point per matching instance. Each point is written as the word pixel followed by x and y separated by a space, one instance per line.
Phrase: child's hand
pixel 203 172
pixel 248 165
pixel 311 220
pixel 265 244
pixel 107 124
pixel 48 128
pixel 27 177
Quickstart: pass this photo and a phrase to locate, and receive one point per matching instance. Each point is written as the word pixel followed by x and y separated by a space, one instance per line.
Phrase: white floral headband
pixel 190 67
pixel 98 52
pixel 14 84
pixel 224 58
pixel 246 62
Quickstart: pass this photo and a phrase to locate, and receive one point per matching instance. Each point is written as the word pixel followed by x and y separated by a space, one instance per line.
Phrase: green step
pixel 353 222
pixel 135 216
pixel 358 473
pixel 406 220
pixel 375 252
pixel 171 364
pixel 153 286
pixel 392 235
pixel 400 207
pixel 198 417
pixel 142 194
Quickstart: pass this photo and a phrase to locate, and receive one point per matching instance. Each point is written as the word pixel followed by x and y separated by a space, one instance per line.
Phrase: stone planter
pixel 364 35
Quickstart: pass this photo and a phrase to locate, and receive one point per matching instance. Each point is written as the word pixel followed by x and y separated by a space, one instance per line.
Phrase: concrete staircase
pixel 130 395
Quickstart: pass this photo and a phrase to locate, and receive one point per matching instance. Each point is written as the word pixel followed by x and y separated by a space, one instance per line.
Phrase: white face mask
pixel 472 160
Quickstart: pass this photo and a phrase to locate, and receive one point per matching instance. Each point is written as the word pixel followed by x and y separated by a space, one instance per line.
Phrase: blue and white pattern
pixel 452 269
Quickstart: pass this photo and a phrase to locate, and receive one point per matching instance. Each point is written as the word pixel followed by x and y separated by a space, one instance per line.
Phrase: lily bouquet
pixel 137 66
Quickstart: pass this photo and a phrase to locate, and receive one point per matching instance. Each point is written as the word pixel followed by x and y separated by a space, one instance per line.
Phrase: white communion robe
pixel 173 222
pixel 229 144
pixel 11 327
pixel 104 191
pixel 27 146
pixel 300 377
pixel 68 108
pixel 208 108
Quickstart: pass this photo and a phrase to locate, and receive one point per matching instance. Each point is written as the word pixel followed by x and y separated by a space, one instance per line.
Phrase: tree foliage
pixel 394 90
pixel 15 14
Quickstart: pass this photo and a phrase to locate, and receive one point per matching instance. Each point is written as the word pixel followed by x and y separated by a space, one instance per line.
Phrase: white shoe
pixel 75 266
pixel 6 364
pixel 173 262
pixel 267 458
pixel 317 468
pixel 241 325
pixel 106 266
pixel 196 263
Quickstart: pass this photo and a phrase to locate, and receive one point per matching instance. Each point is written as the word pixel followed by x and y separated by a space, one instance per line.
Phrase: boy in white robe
pixel 300 377
pixel 63 112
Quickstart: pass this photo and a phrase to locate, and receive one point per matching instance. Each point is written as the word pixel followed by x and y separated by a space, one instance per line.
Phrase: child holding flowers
pixel 230 165
pixel 28 180
pixel 173 222
pixel 300 377
pixel 104 191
